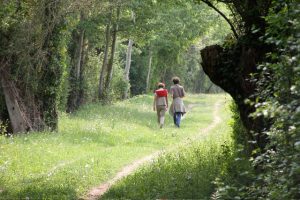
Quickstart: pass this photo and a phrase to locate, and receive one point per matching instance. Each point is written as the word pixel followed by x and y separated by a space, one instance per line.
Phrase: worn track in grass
pixel 97 192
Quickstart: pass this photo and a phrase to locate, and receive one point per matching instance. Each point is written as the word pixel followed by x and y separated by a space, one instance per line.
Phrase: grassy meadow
pixel 93 144
pixel 186 173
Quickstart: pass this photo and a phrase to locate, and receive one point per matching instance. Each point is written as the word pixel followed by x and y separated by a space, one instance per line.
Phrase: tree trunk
pixel 231 70
pixel 80 54
pixel 127 67
pixel 105 60
pixel 33 106
pixel 52 69
pixel 76 72
pixel 84 58
pixel 17 117
pixel 149 71
pixel 112 54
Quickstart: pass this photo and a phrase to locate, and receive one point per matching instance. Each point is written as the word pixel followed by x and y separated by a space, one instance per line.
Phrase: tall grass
pixel 187 173
pixel 90 147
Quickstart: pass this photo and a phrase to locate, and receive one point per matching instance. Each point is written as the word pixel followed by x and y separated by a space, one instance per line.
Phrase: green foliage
pixel 3 110
pixel 277 166
pixel 50 86
pixel 281 159
pixel 42 61
pixel 91 76
pixel 176 29
pixel 138 72
pixel 3 128
pixel 181 27
pixel 34 39
pixel 119 85
pixel 192 75
pixel 240 135
pixel 238 173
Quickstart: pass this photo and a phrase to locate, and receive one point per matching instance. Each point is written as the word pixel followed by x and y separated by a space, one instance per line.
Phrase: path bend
pixel 96 192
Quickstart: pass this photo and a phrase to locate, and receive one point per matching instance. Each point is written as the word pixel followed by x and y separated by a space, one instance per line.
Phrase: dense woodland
pixel 58 55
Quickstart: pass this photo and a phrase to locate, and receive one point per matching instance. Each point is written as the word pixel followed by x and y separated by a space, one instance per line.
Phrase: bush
pixel 239 132
pixel 277 167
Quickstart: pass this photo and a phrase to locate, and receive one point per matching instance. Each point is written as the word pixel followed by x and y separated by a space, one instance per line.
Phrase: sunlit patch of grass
pixel 184 173
pixel 91 146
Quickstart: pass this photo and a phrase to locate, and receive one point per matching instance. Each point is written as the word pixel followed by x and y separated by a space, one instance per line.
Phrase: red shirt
pixel 161 93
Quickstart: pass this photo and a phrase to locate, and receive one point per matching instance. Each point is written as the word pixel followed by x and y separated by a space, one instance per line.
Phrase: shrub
pixel 277 167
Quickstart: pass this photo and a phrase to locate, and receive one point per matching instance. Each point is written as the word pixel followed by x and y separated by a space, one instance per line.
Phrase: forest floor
pixel 94 144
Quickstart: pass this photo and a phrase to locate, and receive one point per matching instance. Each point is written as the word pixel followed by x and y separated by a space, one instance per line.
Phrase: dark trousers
pixel 177 118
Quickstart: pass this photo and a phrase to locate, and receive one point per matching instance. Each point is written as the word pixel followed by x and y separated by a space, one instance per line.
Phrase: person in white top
pixel 177 108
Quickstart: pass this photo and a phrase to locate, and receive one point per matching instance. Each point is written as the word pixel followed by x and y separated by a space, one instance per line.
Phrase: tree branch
pixel 223 15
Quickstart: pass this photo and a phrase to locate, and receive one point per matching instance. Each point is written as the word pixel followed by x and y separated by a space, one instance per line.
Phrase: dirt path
pixel 97 192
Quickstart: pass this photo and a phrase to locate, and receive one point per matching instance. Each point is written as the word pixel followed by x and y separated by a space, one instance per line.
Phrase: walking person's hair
pixel 161 85
pixel 175 80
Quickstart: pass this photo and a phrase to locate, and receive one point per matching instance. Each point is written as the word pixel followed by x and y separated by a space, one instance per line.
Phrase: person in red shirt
pixel 160 103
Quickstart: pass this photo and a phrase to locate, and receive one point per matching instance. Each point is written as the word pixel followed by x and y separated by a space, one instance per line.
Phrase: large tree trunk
pixel 231 70
pixel 149 71
pixel 112 54
pixel 31 105
pixel 127 67
pixel 24 114
pixel 52 69
pixel 105 60
pixel 17 117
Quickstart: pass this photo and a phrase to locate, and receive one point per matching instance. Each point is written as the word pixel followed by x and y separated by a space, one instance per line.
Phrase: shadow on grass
pixel 41 192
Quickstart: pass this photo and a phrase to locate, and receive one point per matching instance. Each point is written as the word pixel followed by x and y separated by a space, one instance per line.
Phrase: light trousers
pixel 161 110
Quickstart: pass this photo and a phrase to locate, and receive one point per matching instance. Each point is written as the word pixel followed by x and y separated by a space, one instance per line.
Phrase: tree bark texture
pixel 149 71
pixel 17 117
pixel 231 69
pixel 127 66
pixel 112 54
pixel 24 114
pixel 105 60
pixel 80 54
pixel 31 99
pixel 84 60
pixel 51 73
pixel 76 72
